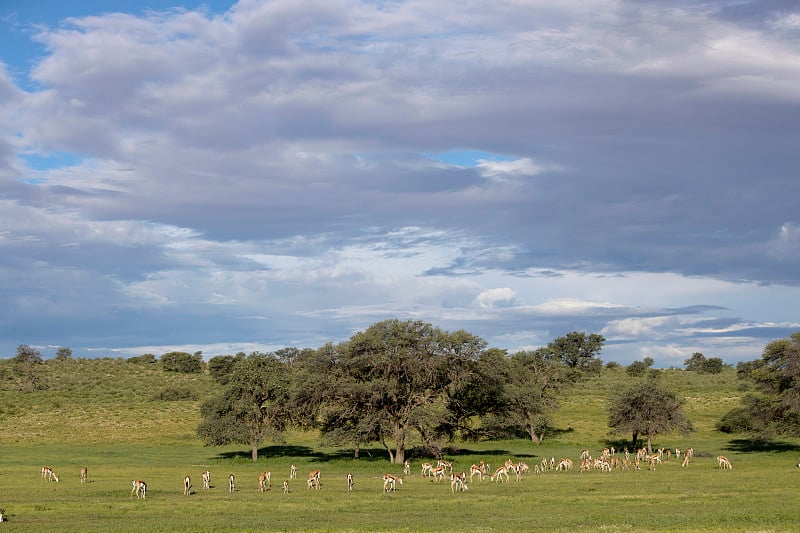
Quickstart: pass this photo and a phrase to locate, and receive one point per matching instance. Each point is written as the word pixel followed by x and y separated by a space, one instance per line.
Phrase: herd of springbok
pixel 607 460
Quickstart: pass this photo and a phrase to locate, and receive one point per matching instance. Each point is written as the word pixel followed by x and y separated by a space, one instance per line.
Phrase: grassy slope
pixel 100 413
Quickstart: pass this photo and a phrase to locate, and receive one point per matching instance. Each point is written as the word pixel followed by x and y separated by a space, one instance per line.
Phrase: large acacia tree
pixel 647 409
pixel 253 406
pixel 395 376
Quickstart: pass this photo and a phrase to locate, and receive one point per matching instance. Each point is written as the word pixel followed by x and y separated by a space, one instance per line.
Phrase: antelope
pixel 84 474
pixel 437 473
pixel 390 482
pixel 2 518
pixel 564 465
pixel 499 473
pixel 264 478
pixel 406 468
pixel 688 454
pixel 49 474
pixel 206 479
pixel 724 462
pixel 293 472
pixel 475 469
pixel 139 488
pixel 426 469
pixel 285 486
pixel 231 483
pixel 350 481
pixel 484 467
pixel 458 482
pixel 187 485
pixel 313 479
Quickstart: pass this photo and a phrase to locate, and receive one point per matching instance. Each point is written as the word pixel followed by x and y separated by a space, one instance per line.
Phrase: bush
pixel 737 420
pixel 182 362
pixel 174 394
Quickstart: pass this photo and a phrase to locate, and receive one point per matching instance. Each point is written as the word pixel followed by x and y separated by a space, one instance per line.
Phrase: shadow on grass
pixel 270 452
pixel 761 445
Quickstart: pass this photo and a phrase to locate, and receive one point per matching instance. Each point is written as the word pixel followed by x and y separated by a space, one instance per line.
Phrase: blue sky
pixel 227 177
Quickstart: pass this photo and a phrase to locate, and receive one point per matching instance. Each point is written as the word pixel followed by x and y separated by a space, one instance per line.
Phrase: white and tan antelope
pixel 313 480
pixel 406 468
pixel 390 482
pixel 426 469
pixel 264 481
pixel 231 483
pixel 499 474
pixel 473 470
pixel 564 465
pixel 292 472
pixel 139 488
pixel 437 473
pixel 458 482
pixel 349 481
pixel 187 485
pixel 49 474
pixel 84 474
pixel 285 486
pixel 724 463
pixel 206 479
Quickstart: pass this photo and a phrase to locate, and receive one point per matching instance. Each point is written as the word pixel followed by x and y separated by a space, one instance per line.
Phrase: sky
pixel 245 176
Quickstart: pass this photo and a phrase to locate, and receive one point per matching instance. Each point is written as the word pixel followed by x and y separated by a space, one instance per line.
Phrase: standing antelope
pixel 231 483
pixel 187 485
pixel 206 479
pixel 458 482
pixel 139 488
pixel 293 472
pixel 406 468
pixel 349 482
pixel 724 462
pixel 313 479
pixel 84 474
pixel 389 482
pixel 688 454
pixel 426 469
pixel 285 486
pixel 475 469
pixel 264 479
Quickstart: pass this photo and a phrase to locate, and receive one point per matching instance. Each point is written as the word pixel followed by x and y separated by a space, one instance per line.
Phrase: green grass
pixel 102 414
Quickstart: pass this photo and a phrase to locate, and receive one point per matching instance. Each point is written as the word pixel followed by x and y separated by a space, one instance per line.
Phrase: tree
pixel 775 407
pixel 221 366
pixel 702 365
pixel 182 362
pixel 649 410
pixel 393 378
pixel 533 384
pixel 63 354
pixel 578 350
pixel 27 364
pixel 639 368
pixel 254 405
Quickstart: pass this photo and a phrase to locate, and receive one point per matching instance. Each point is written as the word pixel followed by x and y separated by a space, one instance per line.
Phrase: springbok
pixel 187 485
pixel 84 474
pixel 139 488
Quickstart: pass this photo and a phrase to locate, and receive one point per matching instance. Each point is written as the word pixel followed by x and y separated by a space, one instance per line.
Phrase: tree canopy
pixel 647 409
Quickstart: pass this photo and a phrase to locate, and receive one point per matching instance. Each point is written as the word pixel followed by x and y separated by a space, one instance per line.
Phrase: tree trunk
pixel 634 439
pixel 254 451
pixel 356 451
pixel 649 445
pixel 400 441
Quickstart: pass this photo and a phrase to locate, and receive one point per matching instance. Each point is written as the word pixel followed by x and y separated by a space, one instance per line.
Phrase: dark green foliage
pixel 27 368
pixel 175 393
pixel 738 420
pixel 639 368
pixel 774 409
pixel 63 353
pixel 578 350
pixel 221 366
pixel 253 406
pixel 699 363
pixel 145 359
pixel 647 409
pixel 182 362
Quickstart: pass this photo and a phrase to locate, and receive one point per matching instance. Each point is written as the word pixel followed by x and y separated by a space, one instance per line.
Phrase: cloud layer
pixel 282 173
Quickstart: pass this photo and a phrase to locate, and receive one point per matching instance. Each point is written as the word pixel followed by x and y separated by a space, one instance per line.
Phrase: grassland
pixel 103 414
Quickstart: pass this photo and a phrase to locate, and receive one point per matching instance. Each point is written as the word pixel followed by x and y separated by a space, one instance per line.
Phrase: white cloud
pixel 491 298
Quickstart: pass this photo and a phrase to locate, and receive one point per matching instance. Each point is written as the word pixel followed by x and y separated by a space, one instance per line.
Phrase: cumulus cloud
pixel 491 298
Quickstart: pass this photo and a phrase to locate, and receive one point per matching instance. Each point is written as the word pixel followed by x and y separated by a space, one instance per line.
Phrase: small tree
pixel 182 362
pixel 649 410
pixel 639 368
pixel 578 350
pixel 63 354
pixel 702 365
pixel 27 365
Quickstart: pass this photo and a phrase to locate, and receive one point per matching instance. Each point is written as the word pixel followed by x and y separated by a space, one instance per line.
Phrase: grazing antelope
pixel 206 479
pixel 724 462
pixel 285 486
pixel 437 473
pixel 426 469
pixel 84 474
pixel 406 468
pixel 349 482
pixel 139 488
pixel 49 474
pixel 564 465
pixel 2 512
pixel 313 479
pixel 187 485
pixel 293 472
pixel 458 482
pixel 231 483
pixel 390 482
pixel 499 473
pixel 264 478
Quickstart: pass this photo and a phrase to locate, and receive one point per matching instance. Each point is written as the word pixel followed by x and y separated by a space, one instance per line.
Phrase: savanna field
pixel 120 421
